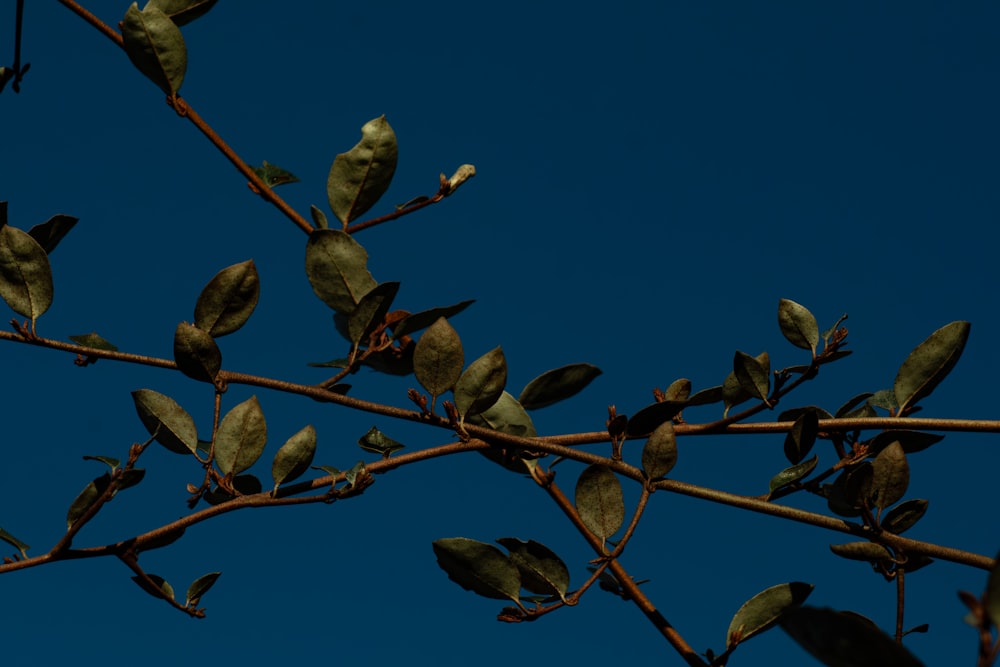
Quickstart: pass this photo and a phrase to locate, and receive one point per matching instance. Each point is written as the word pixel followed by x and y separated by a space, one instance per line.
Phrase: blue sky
pixel 652 178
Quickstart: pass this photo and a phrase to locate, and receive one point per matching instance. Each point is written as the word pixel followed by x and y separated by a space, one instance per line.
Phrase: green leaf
pixel 273 175
pixel 25 274
pixel 228 300
pixel 708 396
pixel 733 393
pixel 319 218
pixel 109 461
pixel 241 437
pixel 659 455
pixel 599 501
pixel 802 437
pixel 169 422
pixel 478 567
pixel 753 374
pixel 647 420
pixel 93 340
pixel 849 408
pixel 359 177
pixel 336 266
pixel 793 474
pixel 506 416
pixel 798 325
pixel 438 358
pixel 155 46
pixel 866 551
pixel 294 457
pixel 159 588
pixel 371 311
pixel 86 499
pixel 840 639
pixel 377 442
pixel 14 542
pixel 992 594
pixel 795 413
pixel 482 383
pixel 678 391
pixel 182 12
pixel 542 571
pixel 911 441
pixel 764 610
pixel 556 385
pixel 929 363
pixel 891 476
pixel 903 516
pixel 199 587
pixel 424 319
pixel 51 232
pixel 196 353
pixel 351 475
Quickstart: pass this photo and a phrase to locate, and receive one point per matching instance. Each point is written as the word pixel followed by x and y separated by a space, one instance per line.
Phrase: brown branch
pixel 361 226
pixel 101 26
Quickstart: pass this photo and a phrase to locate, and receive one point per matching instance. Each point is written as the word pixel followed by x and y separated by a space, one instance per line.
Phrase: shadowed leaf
pixel 802 437
pixel 929 363
pixel 481 384
pixel 599 501
pixel 993 593
pixel 424 319
pixel 911 441
pixel 478 567
pixel 647 420
pixel 506 416
pixel 158 589
pixel 273 175
pixel 21 547
pixel 169 422
pixel 659 454
pixel 155 46
pixel 839 639
pixel 371 311
pixel 542 571
pixel 196 353
pixel 556 385
pixel 377 442
pixel 95 341
pixel 337 268
pixel 866 551
pixel 793 474
pixel 903 516
pixel 359 177
pixel 182 12
pixel 753 374
pixel 51 232
pixel 228 300
pixel 86 498
pixel 798 325
pixel 891 476
pixel 199 587
pixel 762 611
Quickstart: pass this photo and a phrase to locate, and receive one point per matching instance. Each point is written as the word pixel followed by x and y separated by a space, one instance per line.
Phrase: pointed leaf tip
pixel 557 385
pixel 929 363
pixel 359 177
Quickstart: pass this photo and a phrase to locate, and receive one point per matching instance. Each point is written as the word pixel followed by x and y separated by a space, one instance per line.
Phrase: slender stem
pixel 361 226
pixel 101 26
pixel 900 597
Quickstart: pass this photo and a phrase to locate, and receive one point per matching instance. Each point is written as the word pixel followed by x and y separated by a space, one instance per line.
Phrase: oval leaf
pixel 542 571
pixel 337 268
pixel 793 474
pixel 438 358
pixel 764 610
pixel 599 501
pixel 169 422
pixel 196 353
pixel 155 46
pixel 659 455
pixel 556 385
pixel 506 416
pixel 904 516
pixel 647 420
pixel 25 274
pixel 866 551
pixel 802 437
pixel 199 587
pixel 417 321
pixel 478 567
pixel 929 363
pixel 87 497
pixel 228 299
pixel 294 457
pixel 891 476
pixel 359 177
pixel 798 325
pixel 241 437
pixel 482 383
pixel 753 374
pixel 371 311
pixel 844 639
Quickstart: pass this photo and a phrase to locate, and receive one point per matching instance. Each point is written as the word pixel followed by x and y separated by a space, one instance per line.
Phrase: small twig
pixel 900 598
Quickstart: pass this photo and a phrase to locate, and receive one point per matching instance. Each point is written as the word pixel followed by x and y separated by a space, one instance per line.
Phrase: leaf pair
pixel 153 42
pixel 485 570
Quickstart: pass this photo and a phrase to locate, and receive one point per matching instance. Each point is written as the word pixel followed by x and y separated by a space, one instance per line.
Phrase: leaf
pixel 506 416
pixel 866 551
pixel 158 589
pixel 478 567
pixel 992 594
pixel 199 587
pixel 556 385
pixel 87 498
pixel 801 437
pixel 351 475
pixel 109 461
pixel 228 300
pixel 182 12
pixel 377 442
pixel 93 340
pixel 793 474
pixel 911 441
pixel 336 266
pixel 25 274
pixel 733 393
pixel 196 353
pixel 659 455
pixel 294 457
pixel 708 396
pixel 482 383
pixel 51 232
pixel 319 218
pixel 542 571
pixel 359 177
pixel 599 501
pixel 798 325
pixel 647 420
pixel 169 422
pixel 155 46
pixel 929 363
pixel 678 391
pixel 21 547
pixel 795 413
pixel 753 374
pixel 461 175
pixel 848 408
pixel 438 358
pixel 764 610
pixel 839 639
pixel 891 476
pixel 903 516
pixel 273 175
pixel 371 311
pixel 241 437
pixel 422 320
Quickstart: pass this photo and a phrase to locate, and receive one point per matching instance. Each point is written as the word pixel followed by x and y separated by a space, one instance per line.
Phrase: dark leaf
pixel 846 409
pixel 678 391
pixel 199 587
pixel 733 393
pixel 753 374
pixel 707 396
pixel 196 353
pixel 273 175
pixel 802 437
pixel 798 325
pixel 557 385
pixel 903 516
pixel 337 268
pixel 659 455
pixel 241 437
pixel 795 413
pixel 911 441
pixel 155 46
pixel 228 300
pixel 93 340
pixel 764 610
pixel 377 442
pixel 158 589
pixel 891 476
pixel 109 461
pixel 87 497
pixel 51 232
pixel 294 457
pixel 839 639
pixel 25 274
pixel 542 571
pixel 929 363
pixel 478 567
pixel 866 551
pixel 371 311
pixel 793 474
pixel 481 384
pixel 169 422
pixel 182 12
pixel 422 320
pixel 359 177
pixel 992 595
pixel 599 501
pixel 14 542
pixel 650 418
